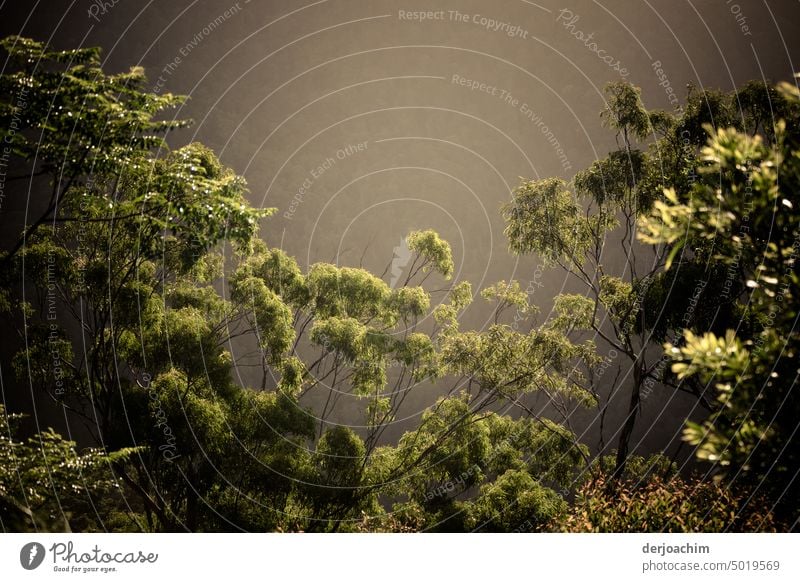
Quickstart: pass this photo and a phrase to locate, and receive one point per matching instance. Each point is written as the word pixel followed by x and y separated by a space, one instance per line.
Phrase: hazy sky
pixel 362 120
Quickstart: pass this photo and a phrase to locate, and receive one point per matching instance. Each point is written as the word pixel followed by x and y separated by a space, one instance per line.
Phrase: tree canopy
pixel 144 268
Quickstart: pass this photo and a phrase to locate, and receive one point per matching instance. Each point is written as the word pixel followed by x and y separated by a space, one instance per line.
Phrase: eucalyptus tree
pixel 68 123
pixel 147 292
pixel 46 484
pixel 378 344
pixel 143 279
pixel 581 225
pixel 744 207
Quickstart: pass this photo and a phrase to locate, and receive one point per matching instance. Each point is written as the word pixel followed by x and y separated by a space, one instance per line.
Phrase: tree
pixel 147 289
pixel 633 311
pixel 68 122
pixel 127 329
pixel 46 484
pixel 743 208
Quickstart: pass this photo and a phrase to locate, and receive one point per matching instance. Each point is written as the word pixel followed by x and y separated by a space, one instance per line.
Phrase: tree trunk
pixel 630 422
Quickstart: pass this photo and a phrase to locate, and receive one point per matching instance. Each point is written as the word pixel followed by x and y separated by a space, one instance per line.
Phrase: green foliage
pixel 742 208
pixel 624 110
pixel 461 295
pixel 46 484
pixel 271 317
pixel 467 471
pixel 509 294
pixel 62 111
pixel 572 312
pixel 340 452
pixel 409 302
pixel 512 363
pixel 639 469
pixel 712 207
pixel 136 317
pixel 610 180
pixel 279 272
pixel 544 218
pixel 433 252
pixel 515 501
pixel 192 201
